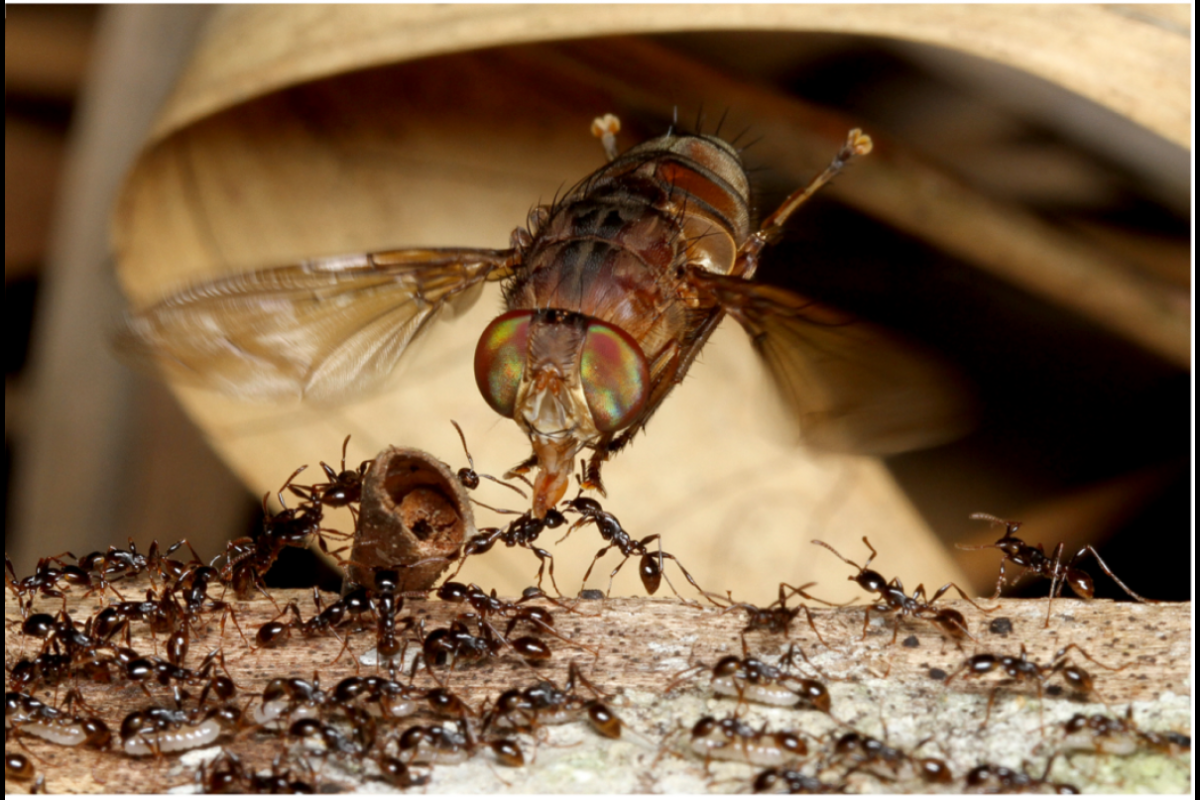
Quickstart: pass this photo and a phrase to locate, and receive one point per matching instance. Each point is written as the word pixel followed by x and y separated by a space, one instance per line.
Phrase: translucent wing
pixel 324 330
pixel 853 387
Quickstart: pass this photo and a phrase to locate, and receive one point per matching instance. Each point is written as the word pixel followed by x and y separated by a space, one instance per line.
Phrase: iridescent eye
pixel 614 376
pixel 500 360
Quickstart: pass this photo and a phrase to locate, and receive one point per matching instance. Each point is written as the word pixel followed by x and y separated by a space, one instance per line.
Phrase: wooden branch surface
pixel 644 644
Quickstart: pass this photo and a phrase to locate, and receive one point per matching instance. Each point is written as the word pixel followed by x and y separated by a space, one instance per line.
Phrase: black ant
pixel 546 704
pixel 45 581
pixel 750 678
pixel 650 566
pixel 776 618
pixel 30 716
pixel 325 621
pixel 859 752
pixel 488 605
pixel 156 731
pixel 1019 668
pixel 521 532
pixel 17 767
pixel 893 600
pixel 454 645
pixel 469 478
pixel 1033 559
pixel 248 560
pixel 440 744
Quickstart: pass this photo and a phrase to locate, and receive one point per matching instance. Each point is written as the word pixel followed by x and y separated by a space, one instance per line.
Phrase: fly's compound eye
pixel 614 375
pixel 500 360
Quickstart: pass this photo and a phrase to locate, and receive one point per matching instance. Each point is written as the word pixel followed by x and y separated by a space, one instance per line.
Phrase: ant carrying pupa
pixel 1020 669
pixel 1033 559
pixel 751 679
pixel 893 600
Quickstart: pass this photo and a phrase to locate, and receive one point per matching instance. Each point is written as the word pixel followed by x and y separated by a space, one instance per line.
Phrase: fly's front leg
pixel 857 144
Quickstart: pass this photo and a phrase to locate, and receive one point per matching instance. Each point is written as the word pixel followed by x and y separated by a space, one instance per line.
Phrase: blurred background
pixel 1037 239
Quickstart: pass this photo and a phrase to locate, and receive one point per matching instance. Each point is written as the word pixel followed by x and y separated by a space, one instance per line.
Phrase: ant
pixel 29 715
pixel 17 767
pixel 893 600
pixel 45 581
pixel 274 633
pixel 456 644
pixel 469 478
pixel 155 731
pixel 521 532
pixel 222 686
pixel 130 563
pixel 650 566
pixel 344 487
pixel 749 678
pixel 776 618
pixel 1019 668
pixel 441 744
pixel 546 704
pixel 995 779
pixel 731 739
pixel 791 781
pixel 862 751
pixel 1033 559
pixel 488 605
pixel 247 560
pixel 1118 736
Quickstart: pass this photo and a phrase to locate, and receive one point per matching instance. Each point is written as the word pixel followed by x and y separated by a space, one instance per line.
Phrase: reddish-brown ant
pixel 995 779
pixel 441 744
pixel 893 600
pixel 1019 668
pixel 1033 559
pixel 731 739
pixel 650 565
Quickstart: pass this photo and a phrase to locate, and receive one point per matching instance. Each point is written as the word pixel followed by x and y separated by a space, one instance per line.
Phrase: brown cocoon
pixel 414 509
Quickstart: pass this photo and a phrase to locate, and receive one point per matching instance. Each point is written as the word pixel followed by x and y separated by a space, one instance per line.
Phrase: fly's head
pixel 568 380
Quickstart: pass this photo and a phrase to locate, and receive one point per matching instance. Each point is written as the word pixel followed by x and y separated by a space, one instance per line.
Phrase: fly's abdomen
pixel 612 247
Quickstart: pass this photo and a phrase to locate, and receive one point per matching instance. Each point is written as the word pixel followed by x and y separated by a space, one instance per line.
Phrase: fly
pixel 610 295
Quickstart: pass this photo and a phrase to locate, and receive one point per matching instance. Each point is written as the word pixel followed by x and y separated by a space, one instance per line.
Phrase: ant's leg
pixel 1058 569
pixel 1109 573
pixel 937 595
pixel 545 556
pixel 587 574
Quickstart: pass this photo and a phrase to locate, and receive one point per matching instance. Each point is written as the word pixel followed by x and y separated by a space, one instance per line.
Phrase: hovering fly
pixel 610 294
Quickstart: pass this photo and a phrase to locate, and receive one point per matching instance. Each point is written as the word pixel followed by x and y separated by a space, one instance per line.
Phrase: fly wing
pixel 852 386
pixel 324 330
